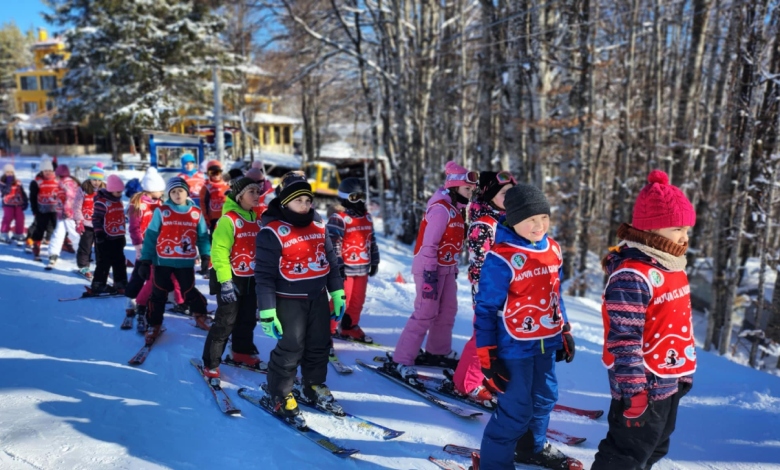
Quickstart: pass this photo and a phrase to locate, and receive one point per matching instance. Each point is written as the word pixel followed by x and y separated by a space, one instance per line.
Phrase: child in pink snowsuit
pixel 484 213
pixel 14 204
pixel 435 267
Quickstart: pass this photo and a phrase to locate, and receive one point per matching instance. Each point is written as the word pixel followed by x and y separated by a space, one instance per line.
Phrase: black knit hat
pixel 237 187
pixel 523 201
pixel 489 185
pixel 294 185
pixel 176 182
pixel 235 173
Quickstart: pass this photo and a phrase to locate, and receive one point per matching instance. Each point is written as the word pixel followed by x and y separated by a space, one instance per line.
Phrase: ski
pixel 350 339
pixel 446 390
pixel 89 295
pixel 127 323
pixel 261 368
pixel 223 400
pixel 591 414
pixel 468 452
pixel 336 363
pixel 262 402
pixel 345 417
pixel 140 356
pixel 446 464
pixel 418 361
pixel 420 389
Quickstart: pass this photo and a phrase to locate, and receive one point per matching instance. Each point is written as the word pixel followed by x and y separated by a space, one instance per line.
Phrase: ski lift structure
pixel 180 143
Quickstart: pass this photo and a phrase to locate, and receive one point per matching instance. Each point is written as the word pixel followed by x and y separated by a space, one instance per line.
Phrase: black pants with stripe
pixel 163 284
pixel 305 342
pixel 236 318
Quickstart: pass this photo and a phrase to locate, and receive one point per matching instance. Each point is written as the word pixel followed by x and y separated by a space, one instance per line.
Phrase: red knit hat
pixel 459 176
pixel 661 205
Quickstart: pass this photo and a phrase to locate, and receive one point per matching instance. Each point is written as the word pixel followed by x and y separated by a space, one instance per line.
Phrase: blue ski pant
pixel 525 406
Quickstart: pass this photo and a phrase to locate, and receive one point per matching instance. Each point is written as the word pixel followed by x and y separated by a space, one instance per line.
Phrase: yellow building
pixel 34 84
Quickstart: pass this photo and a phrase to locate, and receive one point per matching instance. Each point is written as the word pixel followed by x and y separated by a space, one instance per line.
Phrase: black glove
pixel 144 269
pixel 567 352
pixel 493 368
pixel 205 260
pixel 373 270
pixel 684 387
pixel 342 271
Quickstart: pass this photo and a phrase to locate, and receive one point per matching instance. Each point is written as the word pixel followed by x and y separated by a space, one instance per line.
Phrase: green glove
pixel 270 323
pixel 339 304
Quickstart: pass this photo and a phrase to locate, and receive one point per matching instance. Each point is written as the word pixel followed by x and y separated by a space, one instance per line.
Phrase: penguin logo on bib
pixel 284 230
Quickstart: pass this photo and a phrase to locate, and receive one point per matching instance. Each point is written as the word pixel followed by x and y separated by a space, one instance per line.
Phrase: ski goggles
pixel 505 177
pixel 471 177
pixel 215 172
pixel 357 196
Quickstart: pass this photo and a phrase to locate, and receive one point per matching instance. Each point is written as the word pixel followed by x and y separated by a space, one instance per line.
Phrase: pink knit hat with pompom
pixel 114 184
pixel 459 176
pixel 661 205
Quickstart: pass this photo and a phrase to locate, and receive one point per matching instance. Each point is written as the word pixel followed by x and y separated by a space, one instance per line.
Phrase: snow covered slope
pixel 68 399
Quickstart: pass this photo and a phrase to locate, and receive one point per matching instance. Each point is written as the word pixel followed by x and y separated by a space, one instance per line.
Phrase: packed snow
pixel 70 400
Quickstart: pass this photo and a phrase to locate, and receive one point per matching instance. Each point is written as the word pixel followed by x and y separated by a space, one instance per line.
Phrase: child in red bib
pixel 108 221
pixel 85 206
pixel 521 331
pixel 649 348
pixel 14 204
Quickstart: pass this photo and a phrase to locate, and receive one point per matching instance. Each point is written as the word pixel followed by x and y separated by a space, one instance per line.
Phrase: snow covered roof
pixel 266 118
pixel 278 159
pixel 338 151
pixel 253 69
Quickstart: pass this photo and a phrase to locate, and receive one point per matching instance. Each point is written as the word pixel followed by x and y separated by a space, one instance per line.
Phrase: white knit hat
pixel 46 164
pixel 8 167
pixel 152 180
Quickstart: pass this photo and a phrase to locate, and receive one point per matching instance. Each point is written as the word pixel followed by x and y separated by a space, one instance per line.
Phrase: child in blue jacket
pixel 522 330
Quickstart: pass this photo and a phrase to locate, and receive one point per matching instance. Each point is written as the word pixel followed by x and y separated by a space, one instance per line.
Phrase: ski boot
pixel 405 373
pixel 182 309
pixel 202 321
pixel 36 251
pixel 549 457
pixel 52 262
pixel 319 396
pixel 249 360
pixel 120 287
pixel 84 272
pixel 213 376
pixel 152 332
pixel 484 397
pixel 288 409
pixel 356 333
pixel 102 289
pixel 140 318
pixel 424 358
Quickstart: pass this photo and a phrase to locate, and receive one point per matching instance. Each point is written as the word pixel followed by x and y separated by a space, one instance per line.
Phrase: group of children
pixel 281 264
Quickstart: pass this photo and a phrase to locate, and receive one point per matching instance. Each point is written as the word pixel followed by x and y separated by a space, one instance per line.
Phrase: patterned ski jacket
pixel 68 193
pixel 481 236
pixel 13 193
pixel 626 299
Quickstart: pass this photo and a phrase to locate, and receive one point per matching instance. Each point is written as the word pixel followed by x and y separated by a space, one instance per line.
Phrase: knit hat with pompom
pixel 661 205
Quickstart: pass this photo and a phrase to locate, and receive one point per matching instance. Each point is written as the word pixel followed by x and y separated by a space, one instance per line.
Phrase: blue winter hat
pixel 187 158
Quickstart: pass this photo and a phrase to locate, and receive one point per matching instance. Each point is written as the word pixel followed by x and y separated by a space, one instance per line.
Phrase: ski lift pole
pixel 219 131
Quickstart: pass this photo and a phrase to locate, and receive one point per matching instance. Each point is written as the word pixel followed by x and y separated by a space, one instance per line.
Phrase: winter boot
pixel 152 332
pixel 356 333
pixel 5 238
pixel 101 288
pixel 213 376
pixel 401 371
pixel 84 272
pixel 287 407
pixel 52 262
pixel 202 321
pixel 320 396
pixel 549 457
pixel 140 318
pixel 450 361
pixel 483 396
pixel 251 360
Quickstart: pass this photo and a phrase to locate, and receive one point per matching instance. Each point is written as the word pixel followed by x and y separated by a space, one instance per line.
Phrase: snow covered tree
pixel 14 54
pixel 137 64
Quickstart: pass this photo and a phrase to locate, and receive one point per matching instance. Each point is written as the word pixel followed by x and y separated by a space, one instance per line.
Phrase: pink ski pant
pixel 432 317
pixel 15 215
pixel 146 291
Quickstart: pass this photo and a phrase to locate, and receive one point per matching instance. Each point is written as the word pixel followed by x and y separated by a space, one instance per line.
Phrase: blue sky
pixel 25 13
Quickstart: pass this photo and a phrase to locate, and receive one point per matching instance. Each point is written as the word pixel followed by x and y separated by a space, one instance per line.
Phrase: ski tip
pixel 392 435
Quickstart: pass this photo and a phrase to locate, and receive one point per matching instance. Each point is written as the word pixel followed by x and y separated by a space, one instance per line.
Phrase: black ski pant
pixel 238 318
pixel 111 256
pixel 135 284
pixel 84 253
pixel 637 448
pixel 305 342
pixel 163 284
pixel 44 224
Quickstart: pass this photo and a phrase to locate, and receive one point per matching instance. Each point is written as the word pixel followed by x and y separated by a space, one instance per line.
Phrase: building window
pixel 287 135
pixel 49 105
pixel 266 138
pixel 29 83
pixel 277 135
pixel 30 108
pixel 49 83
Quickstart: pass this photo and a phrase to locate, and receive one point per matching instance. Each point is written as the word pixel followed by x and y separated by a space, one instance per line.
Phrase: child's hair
pixel 87 187
pixel 134 207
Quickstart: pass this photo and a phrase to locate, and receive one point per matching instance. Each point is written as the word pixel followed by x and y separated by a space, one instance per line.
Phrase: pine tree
pixel 137 64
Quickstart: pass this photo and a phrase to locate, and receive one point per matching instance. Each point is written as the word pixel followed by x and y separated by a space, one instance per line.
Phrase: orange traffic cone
pixel 400 279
